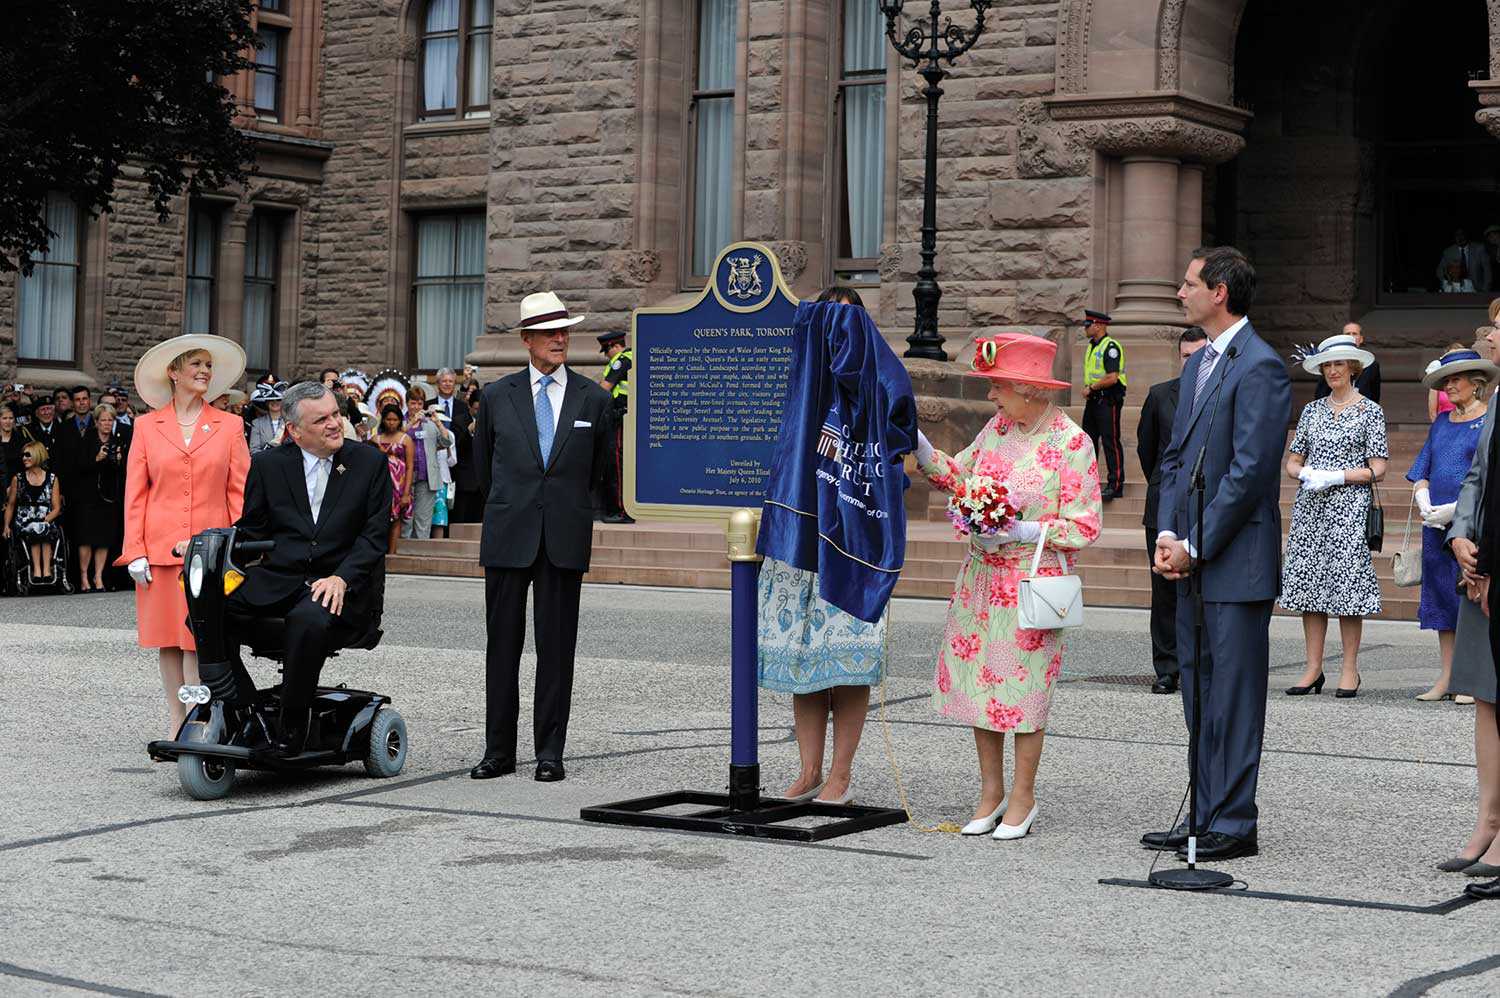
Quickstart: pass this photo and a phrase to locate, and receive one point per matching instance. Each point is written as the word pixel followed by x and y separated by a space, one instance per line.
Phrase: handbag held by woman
pixel 1407 564
pixel 1046 603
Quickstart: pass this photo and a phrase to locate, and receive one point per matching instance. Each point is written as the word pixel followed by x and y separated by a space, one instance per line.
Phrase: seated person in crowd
pixel 326 504
pixel 1464 266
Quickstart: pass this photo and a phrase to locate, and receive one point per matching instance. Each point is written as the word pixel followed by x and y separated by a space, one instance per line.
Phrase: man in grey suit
pixel 1235 406
pixel 541 444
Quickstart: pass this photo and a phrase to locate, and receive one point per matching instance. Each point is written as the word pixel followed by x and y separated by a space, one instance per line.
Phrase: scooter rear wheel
pixel 386 754
pixel 202 777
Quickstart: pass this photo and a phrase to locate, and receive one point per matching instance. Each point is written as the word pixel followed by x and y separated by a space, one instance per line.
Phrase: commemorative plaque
pixel 707 389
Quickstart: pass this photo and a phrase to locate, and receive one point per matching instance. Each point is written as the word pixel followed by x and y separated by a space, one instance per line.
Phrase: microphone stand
pixel 1191 878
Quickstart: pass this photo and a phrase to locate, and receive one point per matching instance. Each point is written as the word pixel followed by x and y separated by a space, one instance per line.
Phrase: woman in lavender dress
pixel 1437 475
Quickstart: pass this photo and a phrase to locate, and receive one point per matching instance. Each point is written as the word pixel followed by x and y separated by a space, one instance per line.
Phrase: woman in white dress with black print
pixel 1338 452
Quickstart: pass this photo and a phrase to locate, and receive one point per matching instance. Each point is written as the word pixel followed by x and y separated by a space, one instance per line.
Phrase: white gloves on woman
pixel 1316 480
pixel 140 571
pixel 1439 516
pixel 924 448
pixel 1019 532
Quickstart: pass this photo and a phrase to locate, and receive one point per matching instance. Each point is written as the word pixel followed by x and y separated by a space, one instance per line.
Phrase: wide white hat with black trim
pixel 544 310
pixel 1458 362
pixel 1340 347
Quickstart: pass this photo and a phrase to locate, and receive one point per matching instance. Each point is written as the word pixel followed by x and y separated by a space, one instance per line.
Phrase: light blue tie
pixel 545 427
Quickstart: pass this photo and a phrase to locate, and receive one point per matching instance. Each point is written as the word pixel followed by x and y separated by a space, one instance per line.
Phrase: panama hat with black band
pixel 544 311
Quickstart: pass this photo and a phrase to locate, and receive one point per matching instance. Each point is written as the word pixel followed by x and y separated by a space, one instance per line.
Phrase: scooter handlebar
pixel 254 547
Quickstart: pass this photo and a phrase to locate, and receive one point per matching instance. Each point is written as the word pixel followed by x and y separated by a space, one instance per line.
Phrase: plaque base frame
pixel 766 820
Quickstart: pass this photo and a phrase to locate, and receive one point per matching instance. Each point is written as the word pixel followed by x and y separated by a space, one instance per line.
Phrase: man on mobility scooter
pixel 318 511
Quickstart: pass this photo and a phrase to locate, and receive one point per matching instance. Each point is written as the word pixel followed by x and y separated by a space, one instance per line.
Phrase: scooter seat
pixel 266 637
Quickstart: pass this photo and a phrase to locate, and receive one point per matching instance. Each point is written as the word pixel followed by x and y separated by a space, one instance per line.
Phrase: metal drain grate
pixel 1120 680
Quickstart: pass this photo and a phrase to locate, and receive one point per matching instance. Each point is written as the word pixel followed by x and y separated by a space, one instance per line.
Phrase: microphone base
pixel 1190 879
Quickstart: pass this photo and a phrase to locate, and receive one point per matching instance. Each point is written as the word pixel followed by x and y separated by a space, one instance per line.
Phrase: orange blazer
pixel 173 489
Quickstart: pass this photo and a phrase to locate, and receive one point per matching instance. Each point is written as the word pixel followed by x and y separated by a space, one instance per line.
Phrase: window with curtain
pixel 262 247
pixel 277 5
pixel 859 211
pixel 198 315
pixel 455 66
pixel 48 308
pixel 713 132
pixel 449 289
pixel 269 68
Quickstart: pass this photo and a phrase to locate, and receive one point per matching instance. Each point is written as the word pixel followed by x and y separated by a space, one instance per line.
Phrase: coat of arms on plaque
pixel 744 276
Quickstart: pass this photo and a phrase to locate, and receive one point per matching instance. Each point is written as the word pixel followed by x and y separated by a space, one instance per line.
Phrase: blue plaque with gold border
pixel 707 388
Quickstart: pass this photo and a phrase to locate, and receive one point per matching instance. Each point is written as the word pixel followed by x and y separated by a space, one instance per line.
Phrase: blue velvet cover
pixel 835 498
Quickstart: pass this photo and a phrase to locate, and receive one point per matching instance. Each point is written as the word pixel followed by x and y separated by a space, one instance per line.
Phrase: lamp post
pixel 926 46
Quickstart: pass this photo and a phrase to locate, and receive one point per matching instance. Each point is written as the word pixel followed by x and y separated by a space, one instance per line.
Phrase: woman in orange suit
pixel 186 473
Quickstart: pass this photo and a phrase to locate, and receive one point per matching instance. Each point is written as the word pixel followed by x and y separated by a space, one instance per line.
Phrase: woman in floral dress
pixel 992 673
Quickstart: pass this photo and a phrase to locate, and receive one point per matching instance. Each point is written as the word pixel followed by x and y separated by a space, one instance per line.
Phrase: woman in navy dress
pixel 1438 474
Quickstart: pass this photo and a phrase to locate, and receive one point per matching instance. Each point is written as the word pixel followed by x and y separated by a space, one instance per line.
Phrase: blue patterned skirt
pixel 807 644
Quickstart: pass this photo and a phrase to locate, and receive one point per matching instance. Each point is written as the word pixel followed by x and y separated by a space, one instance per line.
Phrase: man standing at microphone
pixel 1235 407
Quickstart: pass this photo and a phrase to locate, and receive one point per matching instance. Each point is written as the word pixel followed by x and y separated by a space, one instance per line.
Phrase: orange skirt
pixel 161 611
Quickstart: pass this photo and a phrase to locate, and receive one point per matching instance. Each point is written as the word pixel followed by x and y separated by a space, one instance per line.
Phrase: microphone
pixel 1195 480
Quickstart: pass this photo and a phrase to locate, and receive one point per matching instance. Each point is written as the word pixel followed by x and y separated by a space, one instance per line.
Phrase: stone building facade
pixel 1085 147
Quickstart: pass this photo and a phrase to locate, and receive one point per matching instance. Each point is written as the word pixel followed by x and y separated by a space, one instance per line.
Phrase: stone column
pixel 1147 294
pixel 1189 211
pixel 230 278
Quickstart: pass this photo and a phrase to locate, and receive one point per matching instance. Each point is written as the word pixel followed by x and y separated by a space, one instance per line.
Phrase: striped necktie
pixel 1205 368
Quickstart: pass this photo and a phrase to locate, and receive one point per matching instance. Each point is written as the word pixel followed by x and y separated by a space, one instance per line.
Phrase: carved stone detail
pixel 1169 44
pixel 1043 149
pixel 1073 46
pixel 1489 117
pixel 793 257
pixel 1163 124
pixel 633 268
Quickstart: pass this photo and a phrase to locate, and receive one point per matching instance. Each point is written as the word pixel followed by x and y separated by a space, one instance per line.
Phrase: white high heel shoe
pixel 846 798
pixel 985 825
pixel 1005 831
pixel 810 794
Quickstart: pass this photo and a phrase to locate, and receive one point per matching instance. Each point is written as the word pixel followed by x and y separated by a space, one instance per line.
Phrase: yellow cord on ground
pixel 890 750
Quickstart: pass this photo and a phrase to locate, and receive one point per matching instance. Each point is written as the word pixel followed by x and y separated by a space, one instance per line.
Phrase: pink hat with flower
pixel 1016 357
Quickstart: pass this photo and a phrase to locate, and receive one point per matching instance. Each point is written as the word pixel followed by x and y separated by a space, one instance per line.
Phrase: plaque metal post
pixel 744 694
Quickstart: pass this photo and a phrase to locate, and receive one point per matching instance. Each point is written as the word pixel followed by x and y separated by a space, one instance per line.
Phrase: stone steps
pixel 691 555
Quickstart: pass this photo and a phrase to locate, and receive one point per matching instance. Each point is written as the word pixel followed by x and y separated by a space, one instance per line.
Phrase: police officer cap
pixel 605 339
pixel 1089 315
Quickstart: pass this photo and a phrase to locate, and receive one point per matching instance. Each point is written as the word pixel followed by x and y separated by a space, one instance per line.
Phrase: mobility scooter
pixel 232 725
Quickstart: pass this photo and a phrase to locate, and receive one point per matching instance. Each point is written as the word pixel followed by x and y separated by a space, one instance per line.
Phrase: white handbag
pixel 1406 564
pixel 1047 603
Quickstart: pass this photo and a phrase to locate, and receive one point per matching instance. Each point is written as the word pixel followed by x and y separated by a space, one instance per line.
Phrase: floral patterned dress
pixel 992 673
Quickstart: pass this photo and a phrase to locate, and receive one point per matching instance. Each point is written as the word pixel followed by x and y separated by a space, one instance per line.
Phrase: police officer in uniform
pixel 1104 399
pixel 615 379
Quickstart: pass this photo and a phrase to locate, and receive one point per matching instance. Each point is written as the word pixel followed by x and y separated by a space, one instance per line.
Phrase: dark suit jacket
pixel 1153 437
pixel 349 539
pixel 525 499
pixel 1241 551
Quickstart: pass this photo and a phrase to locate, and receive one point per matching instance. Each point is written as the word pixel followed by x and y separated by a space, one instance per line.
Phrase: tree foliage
pixel 89 87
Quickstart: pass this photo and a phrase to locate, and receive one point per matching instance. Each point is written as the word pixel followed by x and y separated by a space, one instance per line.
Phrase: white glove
pixel 1317 480
pixel 1019 532
pixel 924 448
pixel 1440 516
pixel 140 572
pixel 1424 503
pixel 989 543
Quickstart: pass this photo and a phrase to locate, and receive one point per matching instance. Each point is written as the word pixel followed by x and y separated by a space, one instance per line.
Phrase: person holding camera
pixel 433 452
pixel 98 476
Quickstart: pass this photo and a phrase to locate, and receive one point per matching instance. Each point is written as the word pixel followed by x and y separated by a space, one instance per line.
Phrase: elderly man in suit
pixel 541 446
pixel 327 505
pixel 1239 400
pixel 1152 440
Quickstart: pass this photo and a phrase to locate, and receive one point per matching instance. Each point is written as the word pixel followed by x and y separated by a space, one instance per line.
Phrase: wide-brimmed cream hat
pixel 1458 362
pixel 1340 347
pixel 154 386
pixel 232 396
pixel 422 388
pixel 544 310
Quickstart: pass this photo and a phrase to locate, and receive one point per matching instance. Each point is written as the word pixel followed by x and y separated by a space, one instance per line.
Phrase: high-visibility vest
pixel 1093 360
pixel 622 387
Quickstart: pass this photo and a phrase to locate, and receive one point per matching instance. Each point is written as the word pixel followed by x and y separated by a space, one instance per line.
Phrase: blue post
pixel 744 722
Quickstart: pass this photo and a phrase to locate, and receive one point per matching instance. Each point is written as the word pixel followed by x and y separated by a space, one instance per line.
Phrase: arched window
pixel 455 60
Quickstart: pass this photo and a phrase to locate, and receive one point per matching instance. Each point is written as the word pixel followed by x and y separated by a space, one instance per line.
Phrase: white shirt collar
pixel 310 461
pixel 1221 342
pixel 559 376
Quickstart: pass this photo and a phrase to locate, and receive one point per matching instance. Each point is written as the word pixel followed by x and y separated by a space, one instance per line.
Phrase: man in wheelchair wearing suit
pixel 327 506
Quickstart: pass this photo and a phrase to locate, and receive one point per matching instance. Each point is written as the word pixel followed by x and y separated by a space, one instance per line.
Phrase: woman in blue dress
pixel 1437 474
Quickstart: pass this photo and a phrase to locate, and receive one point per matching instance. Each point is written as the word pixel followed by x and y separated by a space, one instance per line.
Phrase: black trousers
pixel 612 489
pixel 1101 421
pixel 311 633
pixel 555 593
pixel 1163 617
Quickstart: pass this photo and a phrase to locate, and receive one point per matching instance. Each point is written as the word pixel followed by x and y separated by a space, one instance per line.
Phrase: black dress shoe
pixel 1165 684
pixel 1108 495
pixel 550 771
pixel 1165 841
pixel 1217 845
pixel 1488 892
pixel 488 769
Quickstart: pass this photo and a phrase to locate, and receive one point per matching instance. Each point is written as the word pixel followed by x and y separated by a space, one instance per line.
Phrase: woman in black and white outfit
pixel 1338 452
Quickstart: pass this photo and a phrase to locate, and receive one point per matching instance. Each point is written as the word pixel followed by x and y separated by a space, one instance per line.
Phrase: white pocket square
pixel 581 422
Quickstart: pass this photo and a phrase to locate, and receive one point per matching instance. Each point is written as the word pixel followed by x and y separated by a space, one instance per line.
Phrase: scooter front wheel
pixel 386 753
pixel 202 777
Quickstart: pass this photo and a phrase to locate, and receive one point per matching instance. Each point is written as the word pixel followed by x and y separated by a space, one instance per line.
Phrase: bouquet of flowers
pixel 980 505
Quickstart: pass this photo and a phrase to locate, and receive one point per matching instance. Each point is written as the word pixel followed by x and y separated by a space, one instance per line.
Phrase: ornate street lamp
pixel 926 46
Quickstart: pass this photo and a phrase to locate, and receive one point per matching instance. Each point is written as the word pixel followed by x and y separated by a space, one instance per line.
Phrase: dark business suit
pixel 1240 561
pixel 537 534
pixel 1153 437
pixel 349 540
